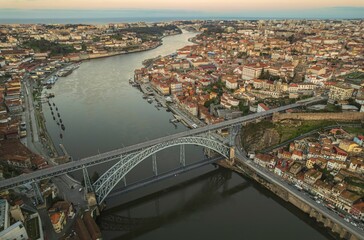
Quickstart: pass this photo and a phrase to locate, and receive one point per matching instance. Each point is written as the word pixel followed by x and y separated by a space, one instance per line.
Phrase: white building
pixel 231 84
pixel 16 231
pixel 252 71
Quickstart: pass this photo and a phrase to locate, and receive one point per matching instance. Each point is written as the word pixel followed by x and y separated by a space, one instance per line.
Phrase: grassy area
pixel 47 46
pixel 355 76
pixel 332 108
pixel 355 130
pixel 355 182
pixel 291 131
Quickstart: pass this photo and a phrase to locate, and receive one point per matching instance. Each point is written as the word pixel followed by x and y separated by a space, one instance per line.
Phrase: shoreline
pixel 90 56
pixel 47 141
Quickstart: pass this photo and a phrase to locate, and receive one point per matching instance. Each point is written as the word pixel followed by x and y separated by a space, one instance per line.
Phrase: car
pixel 80 189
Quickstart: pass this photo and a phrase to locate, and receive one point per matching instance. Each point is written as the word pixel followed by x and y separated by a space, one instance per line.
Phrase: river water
pixel 101 112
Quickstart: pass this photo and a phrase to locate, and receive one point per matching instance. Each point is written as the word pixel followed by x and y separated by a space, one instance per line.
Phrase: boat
pixel 145 96
pixel 61 135
pixel 54 118
pixel 58 115
pixel 63 127
pixel 54 104
pixel 60 120
pixel 149 100
pixel 56 108
pixel 49 104
pixel 173 120
pixel 52 112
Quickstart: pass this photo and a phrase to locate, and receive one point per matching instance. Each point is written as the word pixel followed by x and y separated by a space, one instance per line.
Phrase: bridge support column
pixel 182 157
pixel 37 193
pixel 233 131
pixel 155 167
pixel 124 180
pixel 231 159
pixel 86 178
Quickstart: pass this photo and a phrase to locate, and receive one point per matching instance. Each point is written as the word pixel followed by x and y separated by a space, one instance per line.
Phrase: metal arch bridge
pixel 117 154
pixel 103 186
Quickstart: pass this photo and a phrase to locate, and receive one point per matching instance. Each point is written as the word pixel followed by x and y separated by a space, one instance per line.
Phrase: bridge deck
pixel 115 154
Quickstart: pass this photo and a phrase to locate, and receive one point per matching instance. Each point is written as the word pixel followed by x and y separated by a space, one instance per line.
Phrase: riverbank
pixel 46 139
pixel 90 56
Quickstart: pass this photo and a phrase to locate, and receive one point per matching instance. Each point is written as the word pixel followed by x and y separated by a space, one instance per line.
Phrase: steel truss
pixel 111 178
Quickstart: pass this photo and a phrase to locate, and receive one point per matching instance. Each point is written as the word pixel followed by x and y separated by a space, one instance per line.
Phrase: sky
pixel 185 8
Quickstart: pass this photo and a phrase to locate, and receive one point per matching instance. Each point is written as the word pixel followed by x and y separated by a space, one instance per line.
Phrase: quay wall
pixel 347 116
pixel 288 197
pixel 81 57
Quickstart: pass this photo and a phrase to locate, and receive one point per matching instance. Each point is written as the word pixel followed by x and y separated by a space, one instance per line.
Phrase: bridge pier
pixel 37 193
pixel 124 180
pixel 182 157
pixel 231 159
pixel 155 167
pixel 233 131
pixel 86 178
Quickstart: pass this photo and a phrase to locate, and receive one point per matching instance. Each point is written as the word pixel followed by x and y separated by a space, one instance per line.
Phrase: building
pixel 91 226
pixel 16 231
pixel 262 107
pixel 4 215
pixel 350 146
pixel 265 160
pixel 231 83
pixel 340 92
pixel 346 200
pixel 311 176
pixel 252 71
pixel 358 210
pixel 58 220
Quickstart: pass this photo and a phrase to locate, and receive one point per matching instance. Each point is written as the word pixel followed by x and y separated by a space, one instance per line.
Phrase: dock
pixel 146 89
pixel 65 151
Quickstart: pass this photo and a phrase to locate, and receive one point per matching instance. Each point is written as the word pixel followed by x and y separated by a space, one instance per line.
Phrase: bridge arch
pixel 104 185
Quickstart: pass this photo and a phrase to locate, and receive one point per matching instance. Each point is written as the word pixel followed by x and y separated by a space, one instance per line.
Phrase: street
pixel 298 194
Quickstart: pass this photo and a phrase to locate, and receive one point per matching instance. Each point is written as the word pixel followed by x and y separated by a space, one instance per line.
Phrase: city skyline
pixel 202 5
pixel 22 9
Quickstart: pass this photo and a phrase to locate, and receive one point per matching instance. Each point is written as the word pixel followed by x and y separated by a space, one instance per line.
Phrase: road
pixel 115 154
pixel 63 182
pixel 305 198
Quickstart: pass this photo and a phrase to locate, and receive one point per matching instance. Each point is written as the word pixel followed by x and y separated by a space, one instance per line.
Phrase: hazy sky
pixel 202 5
pixel 18 9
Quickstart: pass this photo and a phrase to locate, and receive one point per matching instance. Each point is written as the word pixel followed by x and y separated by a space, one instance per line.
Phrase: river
pixel 101 112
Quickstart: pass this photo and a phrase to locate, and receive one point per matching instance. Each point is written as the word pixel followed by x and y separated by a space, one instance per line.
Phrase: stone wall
pixel 288 197
pixel 343 117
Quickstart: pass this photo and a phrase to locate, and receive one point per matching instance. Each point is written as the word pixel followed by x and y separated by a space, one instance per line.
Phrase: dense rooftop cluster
pixel 243 66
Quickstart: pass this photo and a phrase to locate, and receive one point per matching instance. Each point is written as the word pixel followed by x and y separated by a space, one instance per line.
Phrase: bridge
pixel 130 156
